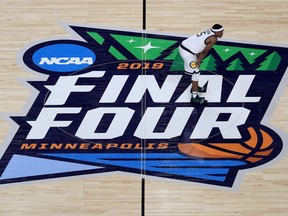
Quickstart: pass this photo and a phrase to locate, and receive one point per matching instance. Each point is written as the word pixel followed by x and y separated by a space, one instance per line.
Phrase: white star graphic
pixel 131 41
pixel 226 50
pixel 252 53
pixel 147 47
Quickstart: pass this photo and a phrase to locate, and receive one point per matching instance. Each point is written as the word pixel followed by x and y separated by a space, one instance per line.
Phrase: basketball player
pixel 192 51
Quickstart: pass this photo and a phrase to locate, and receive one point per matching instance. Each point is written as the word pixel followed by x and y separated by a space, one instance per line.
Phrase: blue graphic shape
pixel 172 163
pixel 64 57
pixel 26 166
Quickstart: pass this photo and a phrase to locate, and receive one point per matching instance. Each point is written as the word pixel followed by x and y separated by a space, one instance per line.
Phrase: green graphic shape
pixel 143 48
pixel 96 37
pixel 236 65
pixel 209 63
pixel 271 63
pixel 116 53
pixel 177 64
pixel 252 54
pixel 173 55
pixel 225 52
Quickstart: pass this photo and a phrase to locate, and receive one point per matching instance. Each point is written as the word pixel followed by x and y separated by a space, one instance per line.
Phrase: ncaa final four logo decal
pixel 111 100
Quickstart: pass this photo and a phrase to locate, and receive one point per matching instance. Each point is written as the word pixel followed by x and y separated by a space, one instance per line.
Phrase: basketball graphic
pixel 258 148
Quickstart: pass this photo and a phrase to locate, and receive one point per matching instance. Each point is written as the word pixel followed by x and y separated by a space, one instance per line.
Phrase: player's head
pixel 218 30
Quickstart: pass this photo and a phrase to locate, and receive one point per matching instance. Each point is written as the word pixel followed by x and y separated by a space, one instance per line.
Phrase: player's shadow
pixel 191 124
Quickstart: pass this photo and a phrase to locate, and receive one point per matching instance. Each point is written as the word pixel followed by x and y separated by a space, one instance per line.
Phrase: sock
pixel 194 94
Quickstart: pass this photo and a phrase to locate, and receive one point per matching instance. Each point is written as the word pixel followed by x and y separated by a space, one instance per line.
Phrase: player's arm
pixel 210 42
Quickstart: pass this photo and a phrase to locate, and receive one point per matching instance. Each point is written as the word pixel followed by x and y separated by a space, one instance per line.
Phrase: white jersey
pixel 196 43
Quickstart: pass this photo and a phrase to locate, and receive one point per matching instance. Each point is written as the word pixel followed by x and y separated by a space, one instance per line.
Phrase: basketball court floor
pixel 250 27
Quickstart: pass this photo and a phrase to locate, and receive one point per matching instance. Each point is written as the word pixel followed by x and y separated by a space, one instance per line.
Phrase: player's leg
pixel 194 80
pixel 191 69
pixel 196 99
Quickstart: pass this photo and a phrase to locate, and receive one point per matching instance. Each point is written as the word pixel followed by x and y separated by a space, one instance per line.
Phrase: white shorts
pixel 189 62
